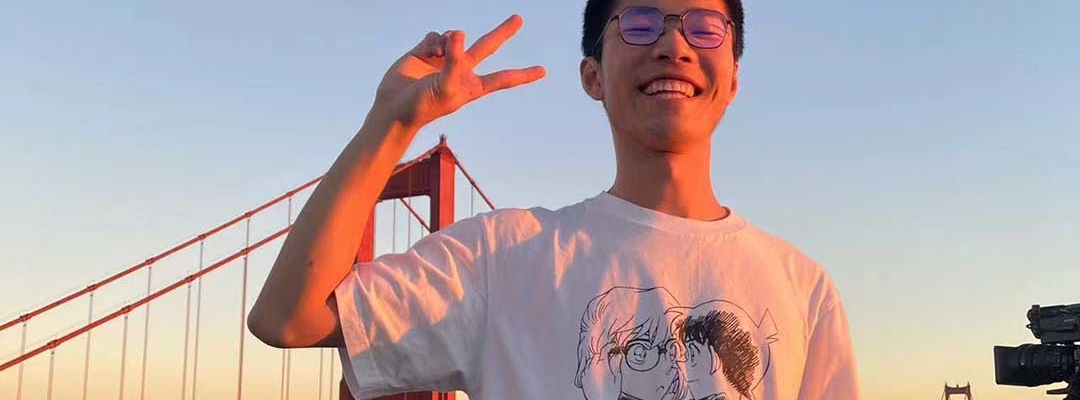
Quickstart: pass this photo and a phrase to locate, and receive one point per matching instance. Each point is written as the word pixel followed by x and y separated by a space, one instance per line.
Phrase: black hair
pixel 732 345
pixel 598 12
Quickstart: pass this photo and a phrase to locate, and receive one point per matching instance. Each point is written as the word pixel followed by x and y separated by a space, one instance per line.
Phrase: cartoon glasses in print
pixel 642 355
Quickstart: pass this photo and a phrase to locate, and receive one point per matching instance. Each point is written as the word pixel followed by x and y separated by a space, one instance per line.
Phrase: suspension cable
pixel 288 373
pixel 141 302
pixel 86 360
pixel 52 360
pixel 188 281
pixel 473 183
pixel 415 215
pixel 123 353
pixel 22 352
pixel 167 253
pixel 187 335
pixel 198 318
pixel 200 238
pixel 286 353
pixel 243 313
pixel 146 335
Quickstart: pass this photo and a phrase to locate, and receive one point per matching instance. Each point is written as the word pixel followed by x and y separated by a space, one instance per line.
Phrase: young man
pixel 650 290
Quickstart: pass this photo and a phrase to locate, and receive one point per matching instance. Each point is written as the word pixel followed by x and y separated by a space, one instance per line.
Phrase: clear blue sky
pixel 925 152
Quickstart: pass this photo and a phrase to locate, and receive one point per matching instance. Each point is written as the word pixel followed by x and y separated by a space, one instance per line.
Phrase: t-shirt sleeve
pixel 412 321
pixel 830 372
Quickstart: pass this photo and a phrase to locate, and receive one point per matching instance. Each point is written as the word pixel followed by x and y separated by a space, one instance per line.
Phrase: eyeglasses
pixel 643 26
pixel 642 355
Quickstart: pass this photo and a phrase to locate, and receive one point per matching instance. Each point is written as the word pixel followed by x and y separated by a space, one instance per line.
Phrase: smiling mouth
pixel 666 88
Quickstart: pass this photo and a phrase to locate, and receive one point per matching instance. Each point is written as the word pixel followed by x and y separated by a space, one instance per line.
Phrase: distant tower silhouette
pixel 957 390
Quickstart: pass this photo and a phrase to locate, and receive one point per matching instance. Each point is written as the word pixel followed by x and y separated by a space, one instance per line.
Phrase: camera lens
pixel 1033 364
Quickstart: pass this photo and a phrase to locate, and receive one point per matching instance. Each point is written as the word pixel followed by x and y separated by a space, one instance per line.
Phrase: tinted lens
pixel 641 25
pixel 705 28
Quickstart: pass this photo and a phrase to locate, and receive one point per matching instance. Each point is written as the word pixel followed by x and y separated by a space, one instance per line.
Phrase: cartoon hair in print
pixel 719 336
pixel 625 333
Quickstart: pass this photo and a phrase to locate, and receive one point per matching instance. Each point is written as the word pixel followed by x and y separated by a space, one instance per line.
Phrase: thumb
pixel 431 46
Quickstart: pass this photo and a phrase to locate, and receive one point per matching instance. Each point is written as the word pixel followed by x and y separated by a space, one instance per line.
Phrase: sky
pixel 924 152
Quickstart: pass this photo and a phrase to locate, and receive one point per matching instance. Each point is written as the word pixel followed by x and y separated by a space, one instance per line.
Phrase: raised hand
pixel 436 77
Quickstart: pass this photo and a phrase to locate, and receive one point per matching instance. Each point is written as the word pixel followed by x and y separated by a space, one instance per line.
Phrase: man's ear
pixel 590 78
pixel 734 83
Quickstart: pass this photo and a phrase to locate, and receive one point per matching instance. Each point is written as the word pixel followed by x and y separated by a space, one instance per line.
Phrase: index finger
pixel 489 43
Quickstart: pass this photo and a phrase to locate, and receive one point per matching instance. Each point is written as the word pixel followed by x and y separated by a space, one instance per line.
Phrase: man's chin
pixel 676 136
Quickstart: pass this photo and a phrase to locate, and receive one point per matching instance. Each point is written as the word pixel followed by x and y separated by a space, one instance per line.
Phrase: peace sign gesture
pixel 436 77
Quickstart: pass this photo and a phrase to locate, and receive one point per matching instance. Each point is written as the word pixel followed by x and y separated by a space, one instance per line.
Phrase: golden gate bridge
pixel 173 366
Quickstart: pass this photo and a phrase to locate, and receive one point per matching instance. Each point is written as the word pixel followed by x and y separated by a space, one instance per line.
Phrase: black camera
pixel 1057 359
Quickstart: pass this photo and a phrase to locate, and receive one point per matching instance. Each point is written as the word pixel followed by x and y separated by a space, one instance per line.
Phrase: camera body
pixel 1056 359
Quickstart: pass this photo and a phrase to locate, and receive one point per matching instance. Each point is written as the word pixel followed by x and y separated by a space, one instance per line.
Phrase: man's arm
pixel 296 307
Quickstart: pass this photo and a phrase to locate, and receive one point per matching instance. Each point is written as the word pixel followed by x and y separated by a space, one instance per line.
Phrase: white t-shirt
pixel 600 300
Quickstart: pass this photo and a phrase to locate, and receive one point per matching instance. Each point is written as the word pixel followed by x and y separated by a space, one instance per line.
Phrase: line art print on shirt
pixel 642 344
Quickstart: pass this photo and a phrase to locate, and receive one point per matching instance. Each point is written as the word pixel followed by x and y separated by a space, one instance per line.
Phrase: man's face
pixel 665 121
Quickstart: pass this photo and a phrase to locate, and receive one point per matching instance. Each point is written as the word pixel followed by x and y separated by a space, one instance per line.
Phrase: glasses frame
pixel 663 29
pixel 662 350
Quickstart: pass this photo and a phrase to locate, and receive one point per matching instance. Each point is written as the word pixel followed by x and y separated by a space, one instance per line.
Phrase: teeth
pixel 670 86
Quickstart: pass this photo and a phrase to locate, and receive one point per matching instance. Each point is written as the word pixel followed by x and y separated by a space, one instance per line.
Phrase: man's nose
pixel 672 45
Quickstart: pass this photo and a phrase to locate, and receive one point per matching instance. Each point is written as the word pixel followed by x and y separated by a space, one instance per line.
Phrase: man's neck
pixel 677 184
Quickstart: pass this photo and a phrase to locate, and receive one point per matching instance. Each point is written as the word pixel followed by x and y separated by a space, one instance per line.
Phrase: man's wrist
pixel 385 127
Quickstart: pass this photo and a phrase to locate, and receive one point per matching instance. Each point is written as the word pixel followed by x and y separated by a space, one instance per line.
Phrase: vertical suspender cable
pixel 288 372
pixel 123 354
pixel 198 318
pixel 86 360
pixel 286 353
pixel 243 313
pixel 52 360
pixel 22 350
pixel 146 334
pixel 281 389
pixel 187 334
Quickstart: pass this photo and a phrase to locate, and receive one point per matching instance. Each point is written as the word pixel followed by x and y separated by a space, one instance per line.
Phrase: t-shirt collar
pixel 611 204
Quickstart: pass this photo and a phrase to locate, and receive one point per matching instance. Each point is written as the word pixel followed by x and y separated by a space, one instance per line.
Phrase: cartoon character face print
pixel 648 370
pixel 726 353
pixel 701 364
pixel 625 347
pixel 640 344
